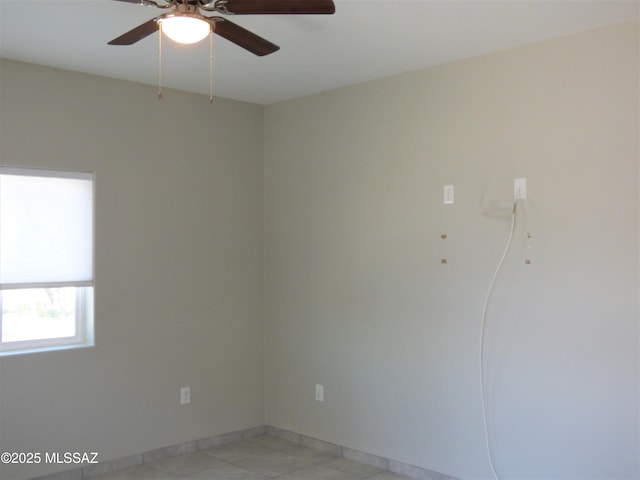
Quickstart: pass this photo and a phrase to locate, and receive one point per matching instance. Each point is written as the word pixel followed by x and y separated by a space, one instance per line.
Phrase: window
pixel 46 260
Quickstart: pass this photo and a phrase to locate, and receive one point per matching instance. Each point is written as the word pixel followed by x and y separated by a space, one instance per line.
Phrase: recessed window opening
pixel 46 260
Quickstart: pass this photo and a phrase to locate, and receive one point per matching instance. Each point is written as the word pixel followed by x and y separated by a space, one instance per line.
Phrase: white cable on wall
pixel 484 322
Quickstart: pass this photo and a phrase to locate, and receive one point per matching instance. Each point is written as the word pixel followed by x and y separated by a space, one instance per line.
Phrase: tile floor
pixel 259 458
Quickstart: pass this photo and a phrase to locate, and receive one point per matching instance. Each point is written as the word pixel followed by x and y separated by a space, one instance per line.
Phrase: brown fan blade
pixel 246 7
pixel 242 37
pixel 138 33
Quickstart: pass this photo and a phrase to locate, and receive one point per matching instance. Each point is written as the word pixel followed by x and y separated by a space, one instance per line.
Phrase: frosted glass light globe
pixel 185 28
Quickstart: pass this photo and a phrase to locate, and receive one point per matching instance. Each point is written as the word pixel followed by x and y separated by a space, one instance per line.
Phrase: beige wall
pixel 178 267
pixel 356 296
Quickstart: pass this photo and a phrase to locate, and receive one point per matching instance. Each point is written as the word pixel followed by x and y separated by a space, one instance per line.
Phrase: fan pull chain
pixel 211 66
pixel 159 59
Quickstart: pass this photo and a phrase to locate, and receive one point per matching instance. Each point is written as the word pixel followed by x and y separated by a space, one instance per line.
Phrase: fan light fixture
pixel 185 28
pixel 186 24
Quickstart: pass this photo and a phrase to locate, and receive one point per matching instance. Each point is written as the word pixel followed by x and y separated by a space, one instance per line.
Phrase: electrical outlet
pixel 185 395
pixel 320 393
pixel 447 195
pixel 520 188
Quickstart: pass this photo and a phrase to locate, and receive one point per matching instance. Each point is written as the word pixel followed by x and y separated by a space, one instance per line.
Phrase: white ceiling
pixel 364 40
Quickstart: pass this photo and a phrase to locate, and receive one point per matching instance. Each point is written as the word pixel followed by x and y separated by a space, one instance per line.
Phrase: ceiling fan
pixel 189 17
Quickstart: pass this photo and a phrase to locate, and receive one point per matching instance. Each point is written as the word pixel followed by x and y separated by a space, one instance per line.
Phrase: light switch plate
pixel 320 393
pixel 185 395
pixel 447 198
pixel 520 188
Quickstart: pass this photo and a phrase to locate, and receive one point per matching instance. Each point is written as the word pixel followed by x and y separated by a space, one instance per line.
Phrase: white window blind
pixel 46 228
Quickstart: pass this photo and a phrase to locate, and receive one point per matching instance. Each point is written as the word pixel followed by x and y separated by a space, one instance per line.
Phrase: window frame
pixel 84 308
pixel 83 328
